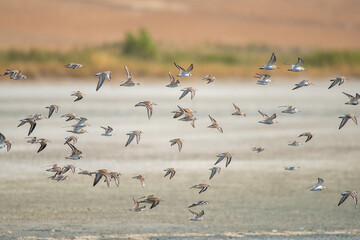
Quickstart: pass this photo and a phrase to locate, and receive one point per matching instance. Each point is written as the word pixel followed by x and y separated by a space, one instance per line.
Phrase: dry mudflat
pixel 253 198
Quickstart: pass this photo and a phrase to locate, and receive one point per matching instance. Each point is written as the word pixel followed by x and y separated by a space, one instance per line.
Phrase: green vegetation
pixel 145 57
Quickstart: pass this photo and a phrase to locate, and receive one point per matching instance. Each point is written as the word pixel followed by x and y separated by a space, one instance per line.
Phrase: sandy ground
pixel 250 199
pixel 62 24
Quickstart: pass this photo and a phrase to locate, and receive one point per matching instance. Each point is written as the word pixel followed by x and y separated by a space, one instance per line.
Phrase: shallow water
pixel 254 194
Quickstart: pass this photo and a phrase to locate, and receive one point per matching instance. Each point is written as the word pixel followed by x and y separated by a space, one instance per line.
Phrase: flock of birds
pixel 188 115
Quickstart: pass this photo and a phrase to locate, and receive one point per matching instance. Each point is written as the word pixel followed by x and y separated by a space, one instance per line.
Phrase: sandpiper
pixel 297 67
pixel 270 65
pixel 67 168
pixel 346 194
pixel 75 153
pixel 346 117
pixel 69 116
pixel 289 109
pixel 59 177
pixel 177 141
pixel 198 203
pixel 258 149
pixel 55 168
pixel 201 186
pixel 226 155
pixel 71 138
pixel 129 82
pixel 99 174
pixel 214 170
pixel 137 207
pixel 170 171
pixel 294 143
pixel 173 82
pixel 31 121
pixel 238 112
pixel 319 186
pixel 182 71
pixel 32 140
pixel 353 100
pixel 132 135
pixel 74 65
pixel 197 216
pixel 77 130
pixel 141 178
pixel 52 108
pixel 267 119
pixel 337 80
pixel 4 142
pixel 214 124
pixel 116 177
pixel 148 105
pixel 291 168
pixel 187 90
pixel 43 143
pixel 154 201
pixel 102 76
pixel 108 131
pixel 309 136
pixel 264 79
pixel 85 172
pixel 209 79
pixel 303 83
pixel 79 95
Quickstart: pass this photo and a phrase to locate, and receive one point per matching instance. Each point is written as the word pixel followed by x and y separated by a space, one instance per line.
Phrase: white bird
pixel 319 186
pixel 267 119
pixel 297 67
pixel 270 65
pixel 183 72
pixel 303 83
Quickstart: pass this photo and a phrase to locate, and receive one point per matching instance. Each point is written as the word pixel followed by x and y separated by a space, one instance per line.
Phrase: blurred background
pixel 224 39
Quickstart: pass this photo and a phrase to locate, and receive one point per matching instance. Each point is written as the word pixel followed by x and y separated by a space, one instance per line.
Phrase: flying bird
pixel 319 186
pixel 74 65
pixel 353 100
pixel 297 67
pixel 52 108
pixel 177 141
pixel 270 65
pixel 346 194
pixel 197 216
pixel 170 171
pixel 346 117
pixel 337 80
pixel 267 119
pixel 214 124
pixel 226 155
pixel 129 82
pixel 238 112
pixel 309 136
pixel 132 135
pixel 148 105
pixel 182 71
pixel 214 170
pixel 209 79
pixel 303 83
pixel 188 90
pixel 173 82
pixel 102 76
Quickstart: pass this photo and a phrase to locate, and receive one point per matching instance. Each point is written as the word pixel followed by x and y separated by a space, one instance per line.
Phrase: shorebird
pixel 182 71
pixel 297 67
pixel 289 109
pixel 214 124
pixel 137 207
pixel 43 143
pixel 75 153
pixel 303 83
pixel 294 143
pixel 31 121
pixel 309 136
pixel 337 80
pixel 69 116
pixel 346 117
pixel 190 118
pixel 187 90
pixel 12 72
pixel 102 76
pixel 226 155
pixel 129 82
pixel 264 79
pixel 52 108
pixel 291 168
pixel 108 131
pixel 173 82
pixel 32 140
pixel 55 168
pixel 154 201
pixel 85 172
pixel 319 186
pixel 197 216
pixel 141 178
pixel 170 171
pixel 77 130
pixel 4 142
pixel 81 122
pixel 71 138
pixel 59 177
pixel 258 149
pixel 209 79
pixel 201 186
pixel 132 135
pixel 148 105
pixel 37 116
pixel 238 112
pixel 99 174
pixel 79 95
pixel 74 65
pixel 346 194
pixel 187 111
pixel 198 203
pixel 267 119
pixel 214 170
pixel 353 100
pixel 177 141
pixel 270 65
pixel 18 76
pixel 67 168
pixel 116 177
